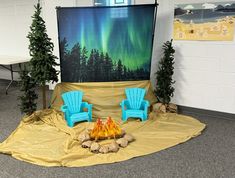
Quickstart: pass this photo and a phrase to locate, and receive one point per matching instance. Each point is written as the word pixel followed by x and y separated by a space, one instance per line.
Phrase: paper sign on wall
pixel 205 21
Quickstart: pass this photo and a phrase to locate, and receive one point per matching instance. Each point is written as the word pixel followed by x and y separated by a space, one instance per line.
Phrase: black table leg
pixel 11 79
pixel 20 67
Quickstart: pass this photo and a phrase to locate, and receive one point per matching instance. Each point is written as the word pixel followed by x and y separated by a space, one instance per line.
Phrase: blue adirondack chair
pixel 135 105
pixel 73 108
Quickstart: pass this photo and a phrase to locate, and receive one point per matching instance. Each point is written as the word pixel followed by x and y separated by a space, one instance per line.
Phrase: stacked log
pixel 84 136
pixel 104 149
pixel 113 147
pixel 95 147
pixel 87 144
pixel 122 142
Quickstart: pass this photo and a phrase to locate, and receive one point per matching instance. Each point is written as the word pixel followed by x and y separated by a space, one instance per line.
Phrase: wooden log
pixel 104 149
pixel 122 142
pixel 87 144
pixel 95 147
pixel 84 136
pixel 129 137
pixel 113 147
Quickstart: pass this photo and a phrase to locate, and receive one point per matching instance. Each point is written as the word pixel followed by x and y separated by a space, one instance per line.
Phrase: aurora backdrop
pixel 105 43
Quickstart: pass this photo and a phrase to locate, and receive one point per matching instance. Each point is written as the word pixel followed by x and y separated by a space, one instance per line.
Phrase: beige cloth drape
pixel 45 139
pixel 105 96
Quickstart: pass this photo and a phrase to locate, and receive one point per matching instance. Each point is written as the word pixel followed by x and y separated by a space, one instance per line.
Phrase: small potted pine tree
pixel 42 61
pixel 164 82
pixel 28 95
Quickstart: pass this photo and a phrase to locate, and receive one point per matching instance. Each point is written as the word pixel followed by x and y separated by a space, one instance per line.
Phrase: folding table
pixel 6 61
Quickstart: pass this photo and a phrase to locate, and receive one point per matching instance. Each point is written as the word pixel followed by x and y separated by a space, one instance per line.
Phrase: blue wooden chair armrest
pixel 89 107
pixel 144 104
pixel 64 108
pixel 125 104
pixel 86 105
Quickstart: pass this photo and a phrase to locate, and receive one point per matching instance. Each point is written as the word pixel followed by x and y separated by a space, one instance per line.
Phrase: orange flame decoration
pixel 109 129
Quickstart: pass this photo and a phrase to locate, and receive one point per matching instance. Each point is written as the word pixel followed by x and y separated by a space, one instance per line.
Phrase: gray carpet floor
pixel 210 155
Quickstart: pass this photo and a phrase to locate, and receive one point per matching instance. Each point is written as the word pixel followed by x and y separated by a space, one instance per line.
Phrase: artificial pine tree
pixel 27 99
pixel 164 89
pixel 42 59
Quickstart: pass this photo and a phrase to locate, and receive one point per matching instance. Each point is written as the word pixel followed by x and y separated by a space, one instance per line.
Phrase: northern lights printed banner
pixel 99 44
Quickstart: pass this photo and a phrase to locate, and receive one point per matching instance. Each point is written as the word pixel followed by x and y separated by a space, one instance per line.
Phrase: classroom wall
pixel 204 71
pixel 15 19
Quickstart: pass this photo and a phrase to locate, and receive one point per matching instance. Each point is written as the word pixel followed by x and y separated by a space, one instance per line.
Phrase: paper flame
pixel 109 129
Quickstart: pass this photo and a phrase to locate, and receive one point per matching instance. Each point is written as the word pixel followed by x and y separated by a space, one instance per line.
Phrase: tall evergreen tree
pixel 128 74
pixel 135 73
pixel 63 48
pixel 28 98
pixel 75 60
pixel 83 75
pixel 65 55
pixel 119 69
pixel 164 89
pixel 114 75
pixel 141 74
pixel 41 48
pixel 108 68
pixel 124 72
pixel 90 66
pixel 103 67
pixel 97 66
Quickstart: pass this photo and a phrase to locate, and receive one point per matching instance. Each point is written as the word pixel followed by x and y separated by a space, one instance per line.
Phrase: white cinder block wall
pixel 15 19
pixel 204 71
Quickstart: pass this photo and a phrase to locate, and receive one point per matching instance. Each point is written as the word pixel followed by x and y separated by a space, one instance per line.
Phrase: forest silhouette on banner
pixel 97 45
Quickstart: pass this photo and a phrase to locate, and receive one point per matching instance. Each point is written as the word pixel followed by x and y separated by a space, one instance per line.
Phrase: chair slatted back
pixel 135 96
pixel 73 100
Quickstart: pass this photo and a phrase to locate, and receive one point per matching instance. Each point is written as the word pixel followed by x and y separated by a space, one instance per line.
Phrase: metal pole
pixel 154 26
pixel 11 79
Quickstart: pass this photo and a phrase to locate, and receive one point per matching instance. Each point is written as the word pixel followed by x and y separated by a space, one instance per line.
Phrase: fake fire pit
pixel 109 130
pixel 106 130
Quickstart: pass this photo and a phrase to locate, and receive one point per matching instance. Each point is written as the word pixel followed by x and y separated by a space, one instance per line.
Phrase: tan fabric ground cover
pixel 44 138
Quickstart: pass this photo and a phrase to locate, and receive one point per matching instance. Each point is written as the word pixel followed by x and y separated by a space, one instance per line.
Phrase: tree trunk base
pixel 44 100
pixel 165 108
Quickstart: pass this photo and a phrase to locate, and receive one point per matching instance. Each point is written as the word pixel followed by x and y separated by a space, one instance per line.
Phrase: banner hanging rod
pixel 155 4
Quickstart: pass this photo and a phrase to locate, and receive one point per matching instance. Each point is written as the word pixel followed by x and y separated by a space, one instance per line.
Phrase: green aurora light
pixel 124 32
